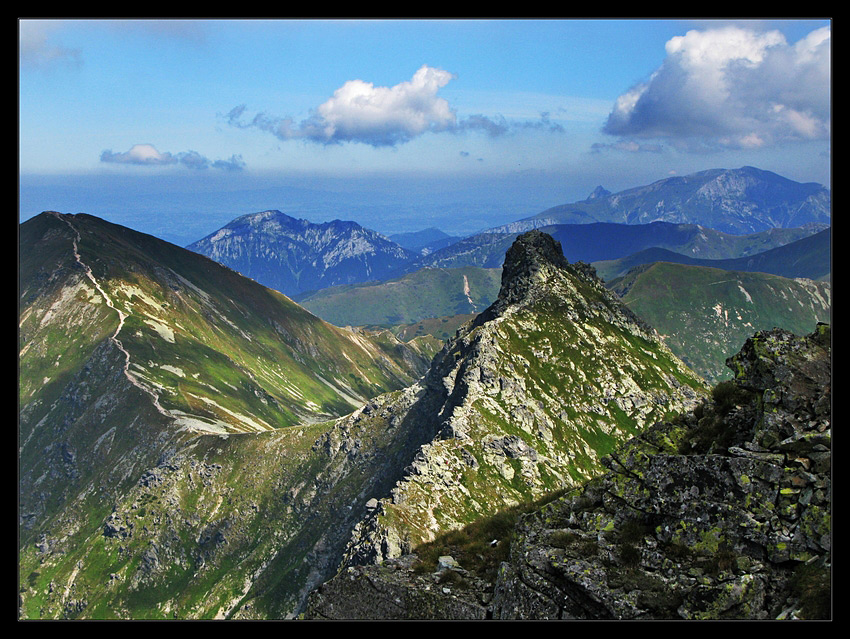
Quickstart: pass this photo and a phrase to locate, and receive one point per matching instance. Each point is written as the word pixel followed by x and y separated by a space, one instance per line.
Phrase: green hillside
pixel 428 293
pixel 217 351
pixel 705 314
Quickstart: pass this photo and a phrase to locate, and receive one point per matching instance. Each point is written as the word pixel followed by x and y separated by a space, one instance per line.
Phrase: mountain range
pixel 144 495
pixel 809 257
pixel 693 215
pixel 736 201
pixel 294 256
pixel 195 444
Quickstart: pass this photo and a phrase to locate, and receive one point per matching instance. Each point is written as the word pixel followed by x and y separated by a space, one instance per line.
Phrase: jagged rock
pixel 394 591
pixel 523 399
pixel 696 518
pixel 686 528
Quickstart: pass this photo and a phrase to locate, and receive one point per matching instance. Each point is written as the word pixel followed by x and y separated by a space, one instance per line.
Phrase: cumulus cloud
pixel 380 116
pixel 734 88
pixel 148 155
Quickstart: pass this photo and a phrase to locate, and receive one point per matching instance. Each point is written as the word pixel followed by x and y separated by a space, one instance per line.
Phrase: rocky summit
pixel 524 400
pixel 721 513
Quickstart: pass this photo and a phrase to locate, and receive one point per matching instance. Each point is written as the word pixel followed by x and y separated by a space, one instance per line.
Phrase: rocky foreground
pixel 721 513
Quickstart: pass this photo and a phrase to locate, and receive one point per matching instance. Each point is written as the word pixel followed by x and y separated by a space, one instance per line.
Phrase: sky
pixel 174 127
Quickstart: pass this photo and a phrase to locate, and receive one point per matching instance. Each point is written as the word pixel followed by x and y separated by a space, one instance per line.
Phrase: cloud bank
pixel 731 88
pixel 148 155
pixel 382 116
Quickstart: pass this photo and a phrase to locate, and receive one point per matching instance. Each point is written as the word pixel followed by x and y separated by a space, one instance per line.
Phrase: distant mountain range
pixel 601 241
pixel 809 257
pixel 425 241
pixel 293 256
pixel 716 214
pixel 737 201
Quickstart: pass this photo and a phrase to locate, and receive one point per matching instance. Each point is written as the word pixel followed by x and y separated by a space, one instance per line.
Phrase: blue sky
pixel 136 117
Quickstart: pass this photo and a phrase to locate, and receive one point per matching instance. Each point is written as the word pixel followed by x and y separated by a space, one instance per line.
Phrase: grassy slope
pixel 427 293
pixel 216 346
pixel 94 450
pixel 705 314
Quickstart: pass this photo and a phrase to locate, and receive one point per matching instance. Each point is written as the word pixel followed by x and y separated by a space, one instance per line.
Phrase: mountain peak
pixel 531 251
pixel 530 263
pixel 599 192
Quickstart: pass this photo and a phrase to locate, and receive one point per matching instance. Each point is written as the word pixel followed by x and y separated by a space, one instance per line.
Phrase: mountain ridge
pixel 500 434
pixel 294 255
pixel 737 201
pixel 722 513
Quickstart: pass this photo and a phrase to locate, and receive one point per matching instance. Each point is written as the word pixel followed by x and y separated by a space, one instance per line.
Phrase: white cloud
pixel 148 155
pixel 732 87
pixel 382 116
pixel 361 111
pixel 144 154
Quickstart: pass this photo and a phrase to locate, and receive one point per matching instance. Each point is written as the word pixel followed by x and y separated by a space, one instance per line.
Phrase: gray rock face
pixel 724 513
pixel 393 591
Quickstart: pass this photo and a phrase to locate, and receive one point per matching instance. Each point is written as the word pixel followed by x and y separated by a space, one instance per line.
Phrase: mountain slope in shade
pixel 809 257
pixel 599 241
pixel 737 201
pixel 704 314
pixel 294 256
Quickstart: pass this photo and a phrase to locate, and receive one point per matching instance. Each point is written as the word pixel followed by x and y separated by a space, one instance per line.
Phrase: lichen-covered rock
pixel 723 513
pixel 394 591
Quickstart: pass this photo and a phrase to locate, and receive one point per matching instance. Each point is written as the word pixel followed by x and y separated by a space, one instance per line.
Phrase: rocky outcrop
pixel 723 513
pixel 394 590
pixel 523 401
